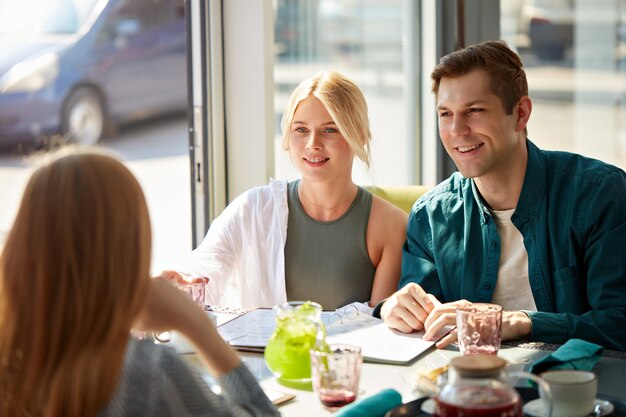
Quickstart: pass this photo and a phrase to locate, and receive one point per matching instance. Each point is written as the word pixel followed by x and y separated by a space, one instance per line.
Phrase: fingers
pixel 407 309
pixel 449 338
pixel 438 319
pixel 441 316
pixel 447 309
pixel 417 301
pixel 170 274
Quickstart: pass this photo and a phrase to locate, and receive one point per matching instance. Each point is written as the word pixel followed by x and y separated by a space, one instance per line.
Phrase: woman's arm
pixel 168 308
pixel 386 233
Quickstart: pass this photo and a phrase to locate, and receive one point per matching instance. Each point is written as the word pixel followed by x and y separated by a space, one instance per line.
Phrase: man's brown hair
pixel 505 69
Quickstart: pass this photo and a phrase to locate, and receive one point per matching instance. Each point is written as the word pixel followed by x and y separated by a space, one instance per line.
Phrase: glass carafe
pixel 298 329
pixel 477 387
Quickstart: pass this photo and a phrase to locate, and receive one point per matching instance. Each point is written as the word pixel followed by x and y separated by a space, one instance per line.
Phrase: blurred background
pixel 139 77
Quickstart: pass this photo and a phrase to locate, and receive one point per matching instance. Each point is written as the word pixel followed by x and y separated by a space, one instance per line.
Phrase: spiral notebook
pixel 251 332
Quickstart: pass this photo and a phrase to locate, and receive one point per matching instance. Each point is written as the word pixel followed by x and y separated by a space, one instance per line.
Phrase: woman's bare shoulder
pixel 386 215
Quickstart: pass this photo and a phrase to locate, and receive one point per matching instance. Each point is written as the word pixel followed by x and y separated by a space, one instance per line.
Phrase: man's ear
pixel 523 109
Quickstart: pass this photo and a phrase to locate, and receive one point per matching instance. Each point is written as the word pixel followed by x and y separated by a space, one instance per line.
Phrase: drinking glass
pixel 195 288
pixel 478 327
pixel 336 373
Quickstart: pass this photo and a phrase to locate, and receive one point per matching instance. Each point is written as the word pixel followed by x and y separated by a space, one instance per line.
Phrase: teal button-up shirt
pixel 572 216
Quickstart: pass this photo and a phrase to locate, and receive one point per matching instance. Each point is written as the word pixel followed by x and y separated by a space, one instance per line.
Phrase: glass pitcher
pixel 477 387
pixel 298 330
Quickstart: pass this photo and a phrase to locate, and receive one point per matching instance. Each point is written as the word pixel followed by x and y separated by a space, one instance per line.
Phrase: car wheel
pixel 83 117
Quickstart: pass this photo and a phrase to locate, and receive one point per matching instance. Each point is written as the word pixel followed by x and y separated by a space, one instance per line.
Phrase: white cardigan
pixel 243 253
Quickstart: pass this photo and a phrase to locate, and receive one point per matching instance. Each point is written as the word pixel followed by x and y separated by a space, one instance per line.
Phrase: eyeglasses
pixel 342 315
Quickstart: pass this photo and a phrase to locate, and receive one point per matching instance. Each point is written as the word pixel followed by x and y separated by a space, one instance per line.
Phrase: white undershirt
pixel 512 290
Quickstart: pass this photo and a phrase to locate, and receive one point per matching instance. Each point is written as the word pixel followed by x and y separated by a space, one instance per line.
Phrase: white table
pixel 376 377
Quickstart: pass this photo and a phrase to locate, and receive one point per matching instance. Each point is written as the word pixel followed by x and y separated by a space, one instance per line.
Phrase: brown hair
pixel 74 273
pixel 505 69
pixel 345 103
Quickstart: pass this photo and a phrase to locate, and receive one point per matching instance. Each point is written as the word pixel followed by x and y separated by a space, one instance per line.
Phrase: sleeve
pixel 185 393
pixel 418 262
pixel 605 267
pixel 219 252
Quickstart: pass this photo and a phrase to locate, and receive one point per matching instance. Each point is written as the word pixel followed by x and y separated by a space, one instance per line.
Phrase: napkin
pixel 574 354
pixel 373 406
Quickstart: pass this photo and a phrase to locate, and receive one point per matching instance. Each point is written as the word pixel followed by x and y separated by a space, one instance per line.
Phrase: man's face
pixel 474 128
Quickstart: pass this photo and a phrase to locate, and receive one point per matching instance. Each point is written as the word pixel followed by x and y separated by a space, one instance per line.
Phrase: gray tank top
pixel 327 262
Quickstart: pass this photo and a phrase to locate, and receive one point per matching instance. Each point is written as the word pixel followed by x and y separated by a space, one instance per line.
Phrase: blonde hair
pixel 74 274
pixel 345 103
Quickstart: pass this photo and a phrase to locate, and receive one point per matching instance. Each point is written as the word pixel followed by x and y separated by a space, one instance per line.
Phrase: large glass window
pixel 370 42
pixel 574 52
pixel 82 69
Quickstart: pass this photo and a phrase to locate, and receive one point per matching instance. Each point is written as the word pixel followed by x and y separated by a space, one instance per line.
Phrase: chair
pixel 401 196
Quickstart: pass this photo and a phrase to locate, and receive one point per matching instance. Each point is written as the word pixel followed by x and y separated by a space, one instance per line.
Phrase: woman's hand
pixel 168 308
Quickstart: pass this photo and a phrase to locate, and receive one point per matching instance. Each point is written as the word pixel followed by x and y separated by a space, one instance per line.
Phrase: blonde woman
pixel 320 238
pixel 74 277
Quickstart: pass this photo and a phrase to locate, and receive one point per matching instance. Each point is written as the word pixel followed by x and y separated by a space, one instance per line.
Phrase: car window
pixel 148 13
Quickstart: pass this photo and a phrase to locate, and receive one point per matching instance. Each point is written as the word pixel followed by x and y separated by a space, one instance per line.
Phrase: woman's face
pixel 316 146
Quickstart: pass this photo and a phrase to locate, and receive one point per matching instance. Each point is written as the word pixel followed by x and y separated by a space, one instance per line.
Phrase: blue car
pixel 75 69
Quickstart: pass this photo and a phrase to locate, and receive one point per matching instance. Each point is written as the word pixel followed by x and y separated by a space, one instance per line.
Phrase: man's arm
pixel 604 269
pixel 516 325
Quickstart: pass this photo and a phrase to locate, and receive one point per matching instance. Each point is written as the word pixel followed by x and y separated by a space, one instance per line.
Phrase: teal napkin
pixel 375 405
pixel 574 354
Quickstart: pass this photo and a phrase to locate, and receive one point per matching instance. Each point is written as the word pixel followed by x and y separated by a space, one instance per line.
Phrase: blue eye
pixel 330 130
pixel 300 129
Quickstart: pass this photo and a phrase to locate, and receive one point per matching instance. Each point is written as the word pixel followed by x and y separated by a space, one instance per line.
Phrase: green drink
pixel 298 330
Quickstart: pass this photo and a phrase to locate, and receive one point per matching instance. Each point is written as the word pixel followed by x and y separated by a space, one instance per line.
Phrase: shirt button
pixel 493 244
pixel 486 286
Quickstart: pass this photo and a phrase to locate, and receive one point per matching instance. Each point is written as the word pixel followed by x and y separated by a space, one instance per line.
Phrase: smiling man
pixel 541 233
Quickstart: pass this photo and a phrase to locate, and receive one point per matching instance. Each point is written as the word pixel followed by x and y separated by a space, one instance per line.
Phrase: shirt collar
pixel 485 214
pixel 533 190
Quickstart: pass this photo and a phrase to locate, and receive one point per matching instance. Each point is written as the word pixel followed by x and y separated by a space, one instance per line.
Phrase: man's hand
pixel 441 316
pixel 516 325
pixel 407 309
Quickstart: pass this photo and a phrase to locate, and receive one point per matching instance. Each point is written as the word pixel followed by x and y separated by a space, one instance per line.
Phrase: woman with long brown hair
pixel 74 279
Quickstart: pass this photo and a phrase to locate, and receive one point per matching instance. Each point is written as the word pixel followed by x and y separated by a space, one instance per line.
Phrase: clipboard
pixel 251 332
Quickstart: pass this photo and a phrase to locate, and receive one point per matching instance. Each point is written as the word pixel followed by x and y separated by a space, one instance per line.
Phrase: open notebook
pixel 252 330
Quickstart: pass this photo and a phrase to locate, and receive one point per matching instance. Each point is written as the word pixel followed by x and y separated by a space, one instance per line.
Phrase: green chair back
pixel 401 196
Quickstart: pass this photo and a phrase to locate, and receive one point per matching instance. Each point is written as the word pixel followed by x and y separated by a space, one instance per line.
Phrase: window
pixel 367 41
pixel 575 59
